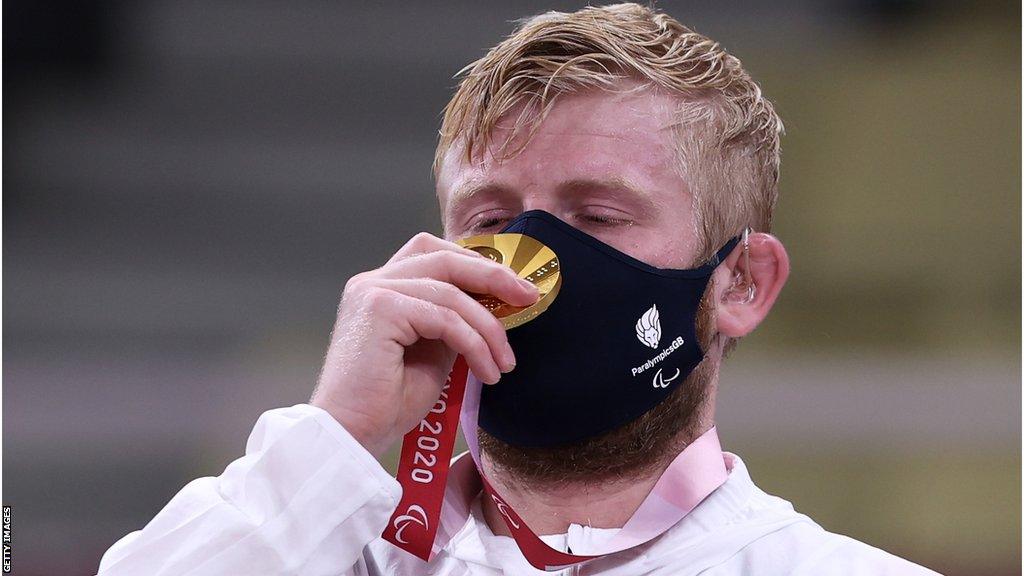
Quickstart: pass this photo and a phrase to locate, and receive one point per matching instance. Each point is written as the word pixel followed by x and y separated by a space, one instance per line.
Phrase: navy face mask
pixel 616 341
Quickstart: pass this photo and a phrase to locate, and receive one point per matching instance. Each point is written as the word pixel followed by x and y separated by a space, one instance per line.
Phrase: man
pixel 639 151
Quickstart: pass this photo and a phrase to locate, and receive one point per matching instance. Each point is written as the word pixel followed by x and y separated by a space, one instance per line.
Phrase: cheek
pixel 639 243
pixel 707 316
pixel 662 249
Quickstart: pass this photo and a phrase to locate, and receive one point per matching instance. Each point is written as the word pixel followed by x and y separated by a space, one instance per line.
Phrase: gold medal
pixel 529 259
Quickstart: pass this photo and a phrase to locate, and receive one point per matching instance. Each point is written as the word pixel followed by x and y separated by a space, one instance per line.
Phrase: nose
pixel 545 204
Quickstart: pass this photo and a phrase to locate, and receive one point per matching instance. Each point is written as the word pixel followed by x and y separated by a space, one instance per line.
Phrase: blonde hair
pixel 727 131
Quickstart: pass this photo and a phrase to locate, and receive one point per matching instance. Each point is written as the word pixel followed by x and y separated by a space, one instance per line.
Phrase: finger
pixel 424 243
pixel 474 313
pixel 423 319
pixel 479 275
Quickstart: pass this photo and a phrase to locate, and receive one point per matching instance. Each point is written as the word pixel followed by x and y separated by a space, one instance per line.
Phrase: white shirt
pixel 308 499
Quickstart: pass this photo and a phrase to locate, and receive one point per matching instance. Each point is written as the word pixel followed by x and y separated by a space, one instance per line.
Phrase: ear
pixel 768 270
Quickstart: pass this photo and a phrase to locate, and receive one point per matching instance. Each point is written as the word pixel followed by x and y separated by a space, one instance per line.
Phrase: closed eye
pixel 487 224
pixel 490 223
pixel 601 219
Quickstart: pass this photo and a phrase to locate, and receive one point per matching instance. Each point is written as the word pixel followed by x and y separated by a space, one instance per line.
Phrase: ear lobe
pixel 740 307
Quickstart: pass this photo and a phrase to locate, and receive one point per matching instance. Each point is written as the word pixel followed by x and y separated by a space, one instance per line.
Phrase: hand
pixel 398 330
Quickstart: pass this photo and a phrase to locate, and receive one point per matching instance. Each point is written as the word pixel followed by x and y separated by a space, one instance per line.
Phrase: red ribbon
pixel 426 458
pixel 423 472
pixel 423 469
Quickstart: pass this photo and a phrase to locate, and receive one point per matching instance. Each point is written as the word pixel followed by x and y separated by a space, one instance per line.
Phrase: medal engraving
pixel 529 259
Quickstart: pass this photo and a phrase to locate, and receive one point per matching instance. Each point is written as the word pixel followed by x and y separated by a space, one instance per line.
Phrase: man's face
pixel 600 161
pixel 605 163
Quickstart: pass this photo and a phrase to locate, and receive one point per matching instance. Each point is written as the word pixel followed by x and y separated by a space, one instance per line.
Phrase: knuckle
pixel 447 256
pixel 376 298
pixel 498 274
pixel 478 346
pixel 447 291
pixel 450 317
pixel 356 282
pixel 426 313
pixel 421 240
pixel 497 329
pixel 440 260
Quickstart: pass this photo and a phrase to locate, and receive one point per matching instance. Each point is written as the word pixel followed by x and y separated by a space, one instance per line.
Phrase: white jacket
pixel 308 499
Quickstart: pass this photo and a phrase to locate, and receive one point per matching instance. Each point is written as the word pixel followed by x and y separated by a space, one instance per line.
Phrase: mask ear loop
pixel 743 289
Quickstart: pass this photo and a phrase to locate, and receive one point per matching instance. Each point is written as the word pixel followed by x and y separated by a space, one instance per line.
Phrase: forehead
pixel 624 135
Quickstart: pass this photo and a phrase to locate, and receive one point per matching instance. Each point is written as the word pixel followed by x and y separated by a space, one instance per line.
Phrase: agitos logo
pixel 423 469
pixel 504 510
pixel 414 515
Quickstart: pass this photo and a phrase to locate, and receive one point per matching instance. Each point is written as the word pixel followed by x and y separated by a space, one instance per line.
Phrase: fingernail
pixel 527 284
pixel 508 358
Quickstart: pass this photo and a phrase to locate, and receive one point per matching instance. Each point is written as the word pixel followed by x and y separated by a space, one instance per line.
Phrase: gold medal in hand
pixel 529 259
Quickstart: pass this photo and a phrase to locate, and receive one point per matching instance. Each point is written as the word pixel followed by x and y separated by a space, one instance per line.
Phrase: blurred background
pixel 188 185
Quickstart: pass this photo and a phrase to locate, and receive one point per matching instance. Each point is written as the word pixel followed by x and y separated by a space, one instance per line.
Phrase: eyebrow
pixel 611 184
pixel 474 187
pixel 469 189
